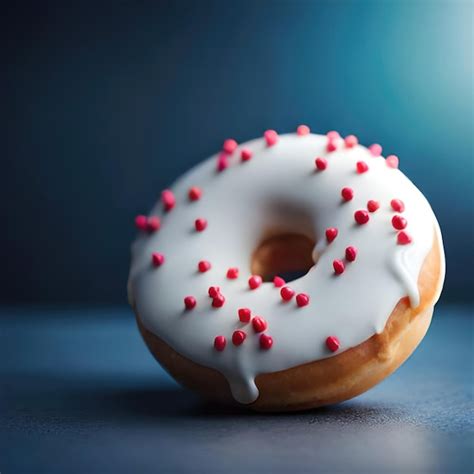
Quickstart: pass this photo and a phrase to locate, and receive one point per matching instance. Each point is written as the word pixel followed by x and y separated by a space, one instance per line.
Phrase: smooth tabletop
pixel 80 393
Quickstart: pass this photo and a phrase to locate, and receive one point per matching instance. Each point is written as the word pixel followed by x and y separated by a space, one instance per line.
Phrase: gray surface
pixel 80 393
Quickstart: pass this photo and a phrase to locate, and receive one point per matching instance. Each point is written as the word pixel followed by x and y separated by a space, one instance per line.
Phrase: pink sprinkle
pixel 403 238
pixel 351 141
pixel 245 155
pixel 266 342
pixel 218 301
pixel 271 137
pixel 259 324
pixel 194 193
pixel 361 217
pixel 331 234
pixel 333 135
pixel 351 254
pixel 141 222
pixel 200 224
pixel 347 194
pixel 278 282
pixel 332 343
pixel 338 266
pixel 392 161
pixel 397 205
pixel 229 146
pixel 204 266
pixel 189 302
pixel 232 273
pixel 244 315
pixel 157 259
pixel 302 299
pixel 372 205
pixel 255 281
pixel 222 162
pixel 168 199
pixel 362 167
pixel 220 343
pixel 287 293
pixel 375 149
pixel 321 163
pixel 332 145
pixel 302 130
pixel 153 224
pixel 399 222
pixel 238 337
pixel 214 291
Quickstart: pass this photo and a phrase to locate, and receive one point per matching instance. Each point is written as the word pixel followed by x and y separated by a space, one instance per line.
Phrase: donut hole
pixel 289 256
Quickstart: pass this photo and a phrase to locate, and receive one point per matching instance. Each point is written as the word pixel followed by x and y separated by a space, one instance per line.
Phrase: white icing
pixel 279 189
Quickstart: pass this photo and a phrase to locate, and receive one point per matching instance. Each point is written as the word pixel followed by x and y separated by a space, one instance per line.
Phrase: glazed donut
pixel 205 280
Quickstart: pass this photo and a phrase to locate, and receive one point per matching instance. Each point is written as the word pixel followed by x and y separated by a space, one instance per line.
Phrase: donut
pixel 207 272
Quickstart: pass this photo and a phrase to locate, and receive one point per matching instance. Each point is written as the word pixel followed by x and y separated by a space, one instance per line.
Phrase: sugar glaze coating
pixel 274 183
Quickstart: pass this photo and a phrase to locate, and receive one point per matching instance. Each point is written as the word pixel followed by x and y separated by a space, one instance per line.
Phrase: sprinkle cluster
pixel 259 325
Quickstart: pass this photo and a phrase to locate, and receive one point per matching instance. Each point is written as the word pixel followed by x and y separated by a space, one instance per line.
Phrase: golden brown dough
pixel 325 381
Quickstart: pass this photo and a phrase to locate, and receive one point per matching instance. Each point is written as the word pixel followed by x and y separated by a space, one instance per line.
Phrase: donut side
pixel 325 381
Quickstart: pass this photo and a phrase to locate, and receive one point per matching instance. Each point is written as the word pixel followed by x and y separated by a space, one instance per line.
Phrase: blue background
pixel 102 106
pixel 105 106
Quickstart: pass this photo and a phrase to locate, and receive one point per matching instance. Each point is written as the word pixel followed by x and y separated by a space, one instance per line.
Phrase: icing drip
pixel 291 183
